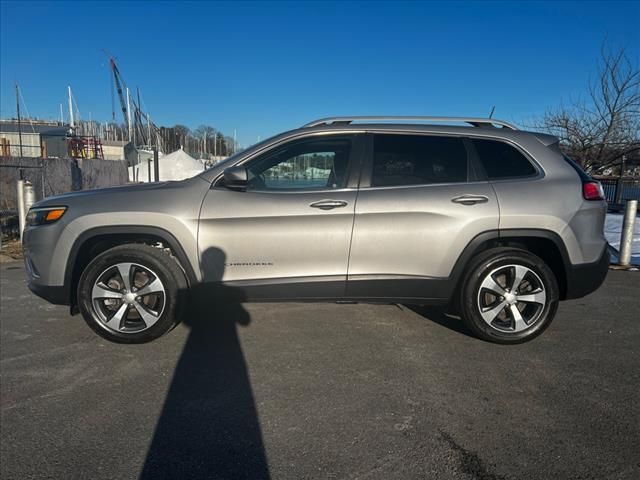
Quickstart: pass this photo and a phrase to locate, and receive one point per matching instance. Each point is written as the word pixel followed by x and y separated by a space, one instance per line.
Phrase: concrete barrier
pixel 53 176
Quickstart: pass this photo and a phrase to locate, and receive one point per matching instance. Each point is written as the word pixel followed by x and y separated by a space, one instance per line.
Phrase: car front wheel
pixel 129 293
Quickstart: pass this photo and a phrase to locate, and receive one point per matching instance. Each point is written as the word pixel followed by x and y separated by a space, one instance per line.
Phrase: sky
pixel 263 67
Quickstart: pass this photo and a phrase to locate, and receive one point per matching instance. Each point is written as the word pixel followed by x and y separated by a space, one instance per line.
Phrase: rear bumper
pixel 587 278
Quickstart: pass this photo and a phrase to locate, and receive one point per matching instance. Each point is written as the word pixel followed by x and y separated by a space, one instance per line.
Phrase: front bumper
pixel 55 295
pixel 39 252
pixel 587 278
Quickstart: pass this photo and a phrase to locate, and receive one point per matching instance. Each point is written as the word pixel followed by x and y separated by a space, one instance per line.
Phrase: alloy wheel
pixel 511 298
pixel 128 297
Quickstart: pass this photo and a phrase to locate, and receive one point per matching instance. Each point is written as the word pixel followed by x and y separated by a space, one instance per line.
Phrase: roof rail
pixel 476 122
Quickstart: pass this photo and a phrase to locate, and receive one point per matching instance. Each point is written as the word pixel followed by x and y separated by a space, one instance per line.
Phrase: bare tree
pixel 182 133
pixel 605 129
pixel 205 135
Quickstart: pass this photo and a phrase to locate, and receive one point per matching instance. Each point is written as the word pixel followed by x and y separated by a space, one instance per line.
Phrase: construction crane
pixel 118 84
pixel 142 136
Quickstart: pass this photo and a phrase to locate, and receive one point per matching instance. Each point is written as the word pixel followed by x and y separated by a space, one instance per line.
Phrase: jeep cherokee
pixel 467 213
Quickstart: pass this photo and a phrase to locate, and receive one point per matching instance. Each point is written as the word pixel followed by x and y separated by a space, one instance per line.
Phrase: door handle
pixel 328 204
pixel 470 199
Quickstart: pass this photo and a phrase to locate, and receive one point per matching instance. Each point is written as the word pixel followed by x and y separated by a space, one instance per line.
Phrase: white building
pixel 118 150
pixel 39 139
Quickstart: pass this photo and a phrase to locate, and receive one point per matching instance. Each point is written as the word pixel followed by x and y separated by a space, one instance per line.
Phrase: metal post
pixel 42 175
pixel 29 195
pixel 19 127
pixel 71 120
pixel 156 167
pixel 626 237
pixel 21 210
pixel 617 196
pixel 129 116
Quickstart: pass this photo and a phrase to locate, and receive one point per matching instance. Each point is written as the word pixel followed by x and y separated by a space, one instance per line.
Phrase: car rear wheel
pixel 509 296
pixel 129 293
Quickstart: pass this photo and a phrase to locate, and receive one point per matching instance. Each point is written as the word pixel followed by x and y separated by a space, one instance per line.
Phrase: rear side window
pixel 500 160
pixel 418 160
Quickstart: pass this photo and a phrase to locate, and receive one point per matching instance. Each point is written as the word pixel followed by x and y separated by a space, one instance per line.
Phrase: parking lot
pixel 322 391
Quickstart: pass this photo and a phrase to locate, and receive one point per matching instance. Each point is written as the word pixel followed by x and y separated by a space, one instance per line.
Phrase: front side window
pixel 418 160
pixel 500 160
pixel 312 164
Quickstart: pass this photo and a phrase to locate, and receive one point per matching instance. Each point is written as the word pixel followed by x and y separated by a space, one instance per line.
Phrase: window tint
pixel 418 159
pixel 303 165
pixel 501 160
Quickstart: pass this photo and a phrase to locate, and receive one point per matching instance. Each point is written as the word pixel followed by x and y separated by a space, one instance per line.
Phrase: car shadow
pixel 440 316
pixel 209 427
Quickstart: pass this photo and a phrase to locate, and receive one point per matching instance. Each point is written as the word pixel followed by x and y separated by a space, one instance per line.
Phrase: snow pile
pixel 613 229
pixel 174 166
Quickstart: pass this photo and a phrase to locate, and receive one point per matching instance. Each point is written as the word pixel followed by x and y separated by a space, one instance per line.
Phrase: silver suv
pixel 492 222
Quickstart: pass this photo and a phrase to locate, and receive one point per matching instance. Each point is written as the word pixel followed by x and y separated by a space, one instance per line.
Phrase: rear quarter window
pixel 501 160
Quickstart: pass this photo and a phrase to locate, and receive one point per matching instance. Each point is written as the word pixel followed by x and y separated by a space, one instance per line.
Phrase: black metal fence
pixel 618 190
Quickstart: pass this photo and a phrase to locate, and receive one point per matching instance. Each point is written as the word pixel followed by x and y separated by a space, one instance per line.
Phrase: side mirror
pixel 236 178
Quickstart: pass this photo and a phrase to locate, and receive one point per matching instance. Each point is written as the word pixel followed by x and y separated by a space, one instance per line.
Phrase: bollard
pixel 626 237
pixel 21 210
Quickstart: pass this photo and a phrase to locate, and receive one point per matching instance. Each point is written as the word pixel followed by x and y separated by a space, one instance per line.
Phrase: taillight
pixel 592 191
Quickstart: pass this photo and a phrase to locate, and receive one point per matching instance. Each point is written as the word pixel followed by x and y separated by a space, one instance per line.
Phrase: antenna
pixel 493 109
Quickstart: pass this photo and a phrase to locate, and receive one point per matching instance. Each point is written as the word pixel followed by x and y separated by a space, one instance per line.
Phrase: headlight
pixel 45 215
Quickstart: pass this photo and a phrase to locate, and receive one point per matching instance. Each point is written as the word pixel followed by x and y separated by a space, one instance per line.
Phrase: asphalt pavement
pixel 321 391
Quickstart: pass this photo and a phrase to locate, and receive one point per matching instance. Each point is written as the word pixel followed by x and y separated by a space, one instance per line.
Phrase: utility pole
pixel 19 127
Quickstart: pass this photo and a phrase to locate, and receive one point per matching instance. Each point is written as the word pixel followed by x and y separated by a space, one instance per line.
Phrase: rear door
pixel 288 234
pixel 419 205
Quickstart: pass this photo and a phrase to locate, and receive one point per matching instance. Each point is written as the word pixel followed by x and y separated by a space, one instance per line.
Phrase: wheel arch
pixel 96 240
pixel 543 243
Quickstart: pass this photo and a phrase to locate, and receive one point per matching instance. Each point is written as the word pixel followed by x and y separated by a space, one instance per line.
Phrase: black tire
pixel 165 268
pixel 471 296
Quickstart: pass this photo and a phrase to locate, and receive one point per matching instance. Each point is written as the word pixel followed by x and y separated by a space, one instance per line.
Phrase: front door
pixel 288 234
